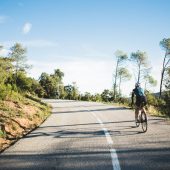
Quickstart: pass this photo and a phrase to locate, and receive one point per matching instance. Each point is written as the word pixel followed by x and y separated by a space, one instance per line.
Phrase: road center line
pixel 115 161
pixel 108 137
pixel 99 121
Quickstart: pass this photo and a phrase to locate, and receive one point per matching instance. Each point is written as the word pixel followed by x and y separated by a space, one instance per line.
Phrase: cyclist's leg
pixel 144 102
pixel 143 109
pixel 137 108
pixel 136 113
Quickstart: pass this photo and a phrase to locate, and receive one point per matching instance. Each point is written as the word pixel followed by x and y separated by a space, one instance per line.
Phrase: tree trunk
pixel 139 73
pixel 120 84
pixel 162 76
pixel 114 95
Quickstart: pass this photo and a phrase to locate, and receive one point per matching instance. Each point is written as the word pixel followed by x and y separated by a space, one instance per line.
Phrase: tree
pixel 120 58
pixel 68 90
pixel 37 89
pixel 18 55
pixel 149 80
pixel 75 92
pixel 166 95
pixel 140 59
pixel 86 96
pixel 107 95
pixel 97 98
pixel 24 83
pixel 5 76
pixel 165 44
pixel 123 74
pixel 19 59
pixel 5 69
pixel 52 84
pixel 58 75
pixel 167 85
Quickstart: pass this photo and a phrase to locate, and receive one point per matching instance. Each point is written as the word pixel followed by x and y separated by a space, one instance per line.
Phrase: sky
pixel 80 37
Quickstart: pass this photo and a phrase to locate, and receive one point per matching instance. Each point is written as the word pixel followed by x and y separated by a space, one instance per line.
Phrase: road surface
pixel 91 136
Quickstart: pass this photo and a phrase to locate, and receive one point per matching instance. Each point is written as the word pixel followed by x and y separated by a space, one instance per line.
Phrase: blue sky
pixel 81 36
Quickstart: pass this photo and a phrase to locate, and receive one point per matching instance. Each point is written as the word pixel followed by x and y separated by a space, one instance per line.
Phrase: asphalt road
pixel 91 136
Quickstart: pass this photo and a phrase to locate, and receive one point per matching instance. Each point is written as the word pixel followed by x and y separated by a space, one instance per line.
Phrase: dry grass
pixel 17 118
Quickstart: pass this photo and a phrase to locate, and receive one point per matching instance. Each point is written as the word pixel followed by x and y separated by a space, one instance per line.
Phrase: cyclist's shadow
pixel 125 130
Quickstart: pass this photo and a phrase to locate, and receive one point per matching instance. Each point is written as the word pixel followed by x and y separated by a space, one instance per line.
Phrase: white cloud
pixel 90 75
pixel 26 28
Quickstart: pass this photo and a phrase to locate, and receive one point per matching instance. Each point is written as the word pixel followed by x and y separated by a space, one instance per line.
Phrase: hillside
pixel 19 116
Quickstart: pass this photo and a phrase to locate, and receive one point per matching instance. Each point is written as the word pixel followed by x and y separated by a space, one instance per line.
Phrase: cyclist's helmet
pixel 137 84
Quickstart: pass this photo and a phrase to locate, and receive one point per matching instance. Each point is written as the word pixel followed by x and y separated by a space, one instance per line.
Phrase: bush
pixel 124 100
pixel 162 105
pixel 5 90
pixel 166 98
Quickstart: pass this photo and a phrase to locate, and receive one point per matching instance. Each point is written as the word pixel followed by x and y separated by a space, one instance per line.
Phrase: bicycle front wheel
pixel 144 121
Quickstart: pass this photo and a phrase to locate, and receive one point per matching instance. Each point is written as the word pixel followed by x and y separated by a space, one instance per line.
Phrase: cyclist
pixel 140 99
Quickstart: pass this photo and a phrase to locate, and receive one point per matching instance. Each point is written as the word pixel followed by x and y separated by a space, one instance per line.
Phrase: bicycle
pixel 142 119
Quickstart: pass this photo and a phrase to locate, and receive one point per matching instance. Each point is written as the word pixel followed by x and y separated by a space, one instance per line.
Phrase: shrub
pixel 5 90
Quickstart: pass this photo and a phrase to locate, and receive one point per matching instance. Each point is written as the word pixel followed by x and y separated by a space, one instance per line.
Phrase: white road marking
pixel 108 137
pixel 101 123
pixel 115 161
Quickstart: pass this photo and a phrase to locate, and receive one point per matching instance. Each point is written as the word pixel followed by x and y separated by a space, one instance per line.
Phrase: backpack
pixel 139 92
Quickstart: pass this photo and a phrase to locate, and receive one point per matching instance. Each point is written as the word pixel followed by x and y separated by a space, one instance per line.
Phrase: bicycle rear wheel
pixel 144 121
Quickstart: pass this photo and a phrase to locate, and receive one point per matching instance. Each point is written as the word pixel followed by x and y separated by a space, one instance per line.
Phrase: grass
pixel 24 112
pixel 2 134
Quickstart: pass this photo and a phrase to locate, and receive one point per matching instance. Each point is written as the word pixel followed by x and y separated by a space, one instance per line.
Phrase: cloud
pixel 2 19
pixel 26 28
pixel 90 75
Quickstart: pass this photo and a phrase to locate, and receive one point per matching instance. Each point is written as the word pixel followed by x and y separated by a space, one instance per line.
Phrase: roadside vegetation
pixel 51 86
pixel 21 109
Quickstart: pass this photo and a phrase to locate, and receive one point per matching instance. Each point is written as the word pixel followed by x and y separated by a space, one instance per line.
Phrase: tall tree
pixel 58 74
pixel 18 54
pixel 105 95
pixel 123 74
pixel 167 85
pixel 19 59
pixel 68 90
pixel 140 59
pixel 165 44
pixel 75 92
pixel 149 80
pixel 120 58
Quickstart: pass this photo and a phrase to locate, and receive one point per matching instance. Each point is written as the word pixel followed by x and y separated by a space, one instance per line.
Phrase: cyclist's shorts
pixel 141 101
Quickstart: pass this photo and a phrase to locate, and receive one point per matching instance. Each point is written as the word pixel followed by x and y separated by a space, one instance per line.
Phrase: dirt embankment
pixel 19 118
